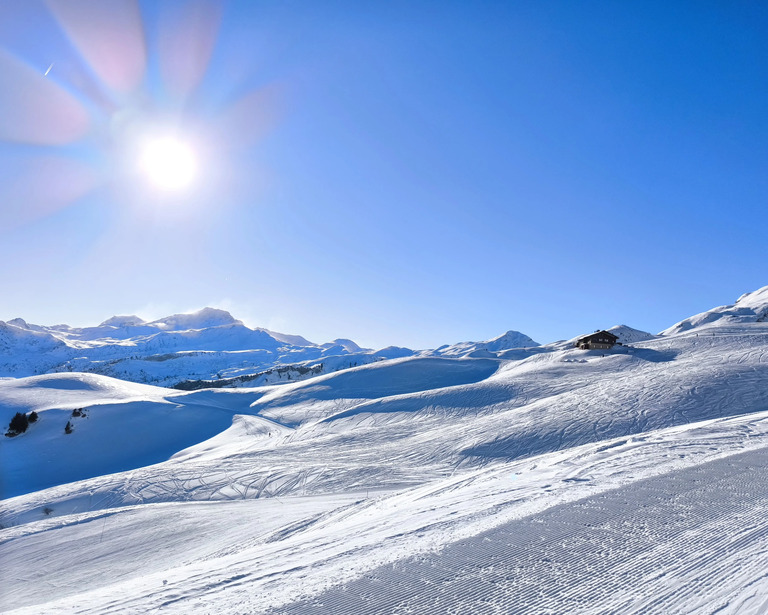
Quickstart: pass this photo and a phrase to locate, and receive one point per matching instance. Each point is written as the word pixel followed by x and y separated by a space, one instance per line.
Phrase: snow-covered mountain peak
pixel 348 345
pixel 123 321
pixel 628 335
pixel 13 336
pixel 202 319
pixel 510 339
pixel 506 341
pixel 757 300
pixel 750 307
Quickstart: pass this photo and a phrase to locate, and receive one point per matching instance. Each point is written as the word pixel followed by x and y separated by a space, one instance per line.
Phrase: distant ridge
pixel 211 345
pixel 208 347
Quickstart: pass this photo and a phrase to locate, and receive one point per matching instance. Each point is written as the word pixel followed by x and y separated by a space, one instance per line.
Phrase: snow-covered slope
pixel 202 319
pixel 115 426
pixel 628 335
pixel 528 480
pixel 750 307
pixel 644 525
pixel 506 341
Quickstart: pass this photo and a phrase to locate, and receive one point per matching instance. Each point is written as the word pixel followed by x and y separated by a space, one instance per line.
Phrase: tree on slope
pixel 18 424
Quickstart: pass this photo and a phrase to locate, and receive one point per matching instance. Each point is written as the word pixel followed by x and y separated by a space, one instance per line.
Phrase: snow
pixel 123 321
pixel 16 335
pixel 202 319
pixel 393 352
pixel 347 345
pixel 69 391
pixel 119 431
pixel 205 346
pixel 628 335
pixel 542 479
pixel 624 526
pixel 506 341
pixel 292 340
pixel 209 344
pixel 750 307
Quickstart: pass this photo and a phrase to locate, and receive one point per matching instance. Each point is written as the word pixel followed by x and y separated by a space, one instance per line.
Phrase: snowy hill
pixel 115 425
pixel 750 307
pixel 628 335
pixel 506 341
pixel 528 480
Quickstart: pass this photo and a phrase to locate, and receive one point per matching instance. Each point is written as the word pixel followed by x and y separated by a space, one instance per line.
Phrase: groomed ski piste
pixel 537 480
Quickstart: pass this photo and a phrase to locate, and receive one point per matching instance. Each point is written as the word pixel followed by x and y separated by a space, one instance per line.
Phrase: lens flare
pixel 34 109
pixel 187 36
pixel 110 37
pixel 168 163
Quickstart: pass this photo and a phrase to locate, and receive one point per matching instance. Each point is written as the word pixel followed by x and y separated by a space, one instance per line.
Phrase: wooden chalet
pixel 599 340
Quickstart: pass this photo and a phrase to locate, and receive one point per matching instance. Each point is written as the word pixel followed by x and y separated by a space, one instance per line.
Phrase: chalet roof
pixel 597 333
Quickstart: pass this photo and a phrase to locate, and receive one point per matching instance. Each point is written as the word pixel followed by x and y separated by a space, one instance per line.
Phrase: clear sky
pixel 411 173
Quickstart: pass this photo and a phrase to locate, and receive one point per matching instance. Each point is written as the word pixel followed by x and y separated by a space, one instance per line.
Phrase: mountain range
pixel 190 350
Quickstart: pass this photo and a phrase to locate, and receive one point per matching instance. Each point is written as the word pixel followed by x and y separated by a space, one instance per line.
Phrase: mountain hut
pixel 599 340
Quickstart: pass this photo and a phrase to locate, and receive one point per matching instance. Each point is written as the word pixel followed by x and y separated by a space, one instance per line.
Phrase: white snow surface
pixel 554 480
pixel 506 341
pixel 750 307
pixel 628 335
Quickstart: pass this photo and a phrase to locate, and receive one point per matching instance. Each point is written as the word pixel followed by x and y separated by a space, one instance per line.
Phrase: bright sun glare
pixel 169 163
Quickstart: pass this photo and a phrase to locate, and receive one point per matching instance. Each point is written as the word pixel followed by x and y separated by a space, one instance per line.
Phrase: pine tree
pixel 18 424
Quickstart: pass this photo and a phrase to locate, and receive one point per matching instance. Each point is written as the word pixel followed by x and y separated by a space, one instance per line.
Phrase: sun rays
pixel 121 94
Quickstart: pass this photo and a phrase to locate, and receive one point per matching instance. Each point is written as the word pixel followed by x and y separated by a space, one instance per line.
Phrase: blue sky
pixel 409 173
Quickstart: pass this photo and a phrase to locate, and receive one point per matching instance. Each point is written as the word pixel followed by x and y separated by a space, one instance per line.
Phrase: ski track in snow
pixel 605 507
pixel 563 481
pixel 597 555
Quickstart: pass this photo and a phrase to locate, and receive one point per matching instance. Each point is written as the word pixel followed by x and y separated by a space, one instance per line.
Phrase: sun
pixel 169 163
